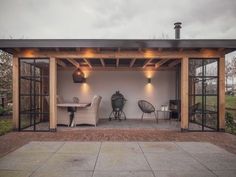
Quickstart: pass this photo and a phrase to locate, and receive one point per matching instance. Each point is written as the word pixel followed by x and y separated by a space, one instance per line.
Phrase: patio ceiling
pixel 118 64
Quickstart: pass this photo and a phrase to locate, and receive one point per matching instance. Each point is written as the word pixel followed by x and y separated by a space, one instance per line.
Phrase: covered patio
pixel 154 70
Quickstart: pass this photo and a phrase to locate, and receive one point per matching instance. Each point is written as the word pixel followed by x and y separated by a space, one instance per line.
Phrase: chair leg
pixel 142 116
pixel 156 116
pixel 110 116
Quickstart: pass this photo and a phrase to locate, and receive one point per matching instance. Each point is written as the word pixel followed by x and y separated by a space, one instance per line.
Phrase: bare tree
pixel 227 73
pixel 5 74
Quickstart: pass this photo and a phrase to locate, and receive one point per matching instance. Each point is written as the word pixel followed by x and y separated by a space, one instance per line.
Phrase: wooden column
pixel 222 93
pixel 15 91
pixel 53 94
pixel 184 94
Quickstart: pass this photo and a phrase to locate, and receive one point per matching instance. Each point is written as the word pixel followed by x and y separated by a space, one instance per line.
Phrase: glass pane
pixel 38 88
pixel 203 91
pixel 211 103
pixel 26 67
pixel 25 86
pixel 43 66
pixel 210 67
pixel 211 85
pixel 210 121
pixel 195 67
pixel 34 105
pixel 25 103
pixel 25 120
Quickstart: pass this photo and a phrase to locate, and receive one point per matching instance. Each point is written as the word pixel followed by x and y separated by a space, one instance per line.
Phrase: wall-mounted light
pixel 78 76
pixel 149 80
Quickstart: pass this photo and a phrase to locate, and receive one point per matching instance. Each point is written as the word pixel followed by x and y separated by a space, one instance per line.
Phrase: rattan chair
pixel 147 108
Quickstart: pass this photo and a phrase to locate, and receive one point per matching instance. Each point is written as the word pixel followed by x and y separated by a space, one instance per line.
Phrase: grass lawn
pixel 230 102
pixel 5 126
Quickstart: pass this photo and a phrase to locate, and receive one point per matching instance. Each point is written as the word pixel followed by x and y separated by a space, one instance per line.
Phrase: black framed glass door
pixel 34 95
pixel 203 94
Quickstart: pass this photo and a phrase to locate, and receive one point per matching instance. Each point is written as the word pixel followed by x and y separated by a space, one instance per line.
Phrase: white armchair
pixel 88 115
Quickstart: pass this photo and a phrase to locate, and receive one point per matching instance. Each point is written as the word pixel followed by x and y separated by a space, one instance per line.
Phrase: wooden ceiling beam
pixel 122 54
pixel 132 63
pixel 73 62
pixel 158 64
pixel 147 62
pixel 87 62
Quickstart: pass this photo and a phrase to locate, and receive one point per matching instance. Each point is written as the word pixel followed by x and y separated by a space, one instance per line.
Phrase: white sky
pixel 117 18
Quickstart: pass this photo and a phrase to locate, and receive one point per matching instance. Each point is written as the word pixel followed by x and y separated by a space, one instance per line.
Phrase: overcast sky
pixel 117 18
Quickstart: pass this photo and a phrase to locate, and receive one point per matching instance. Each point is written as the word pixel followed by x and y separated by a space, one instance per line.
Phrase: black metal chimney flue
pixel 177 29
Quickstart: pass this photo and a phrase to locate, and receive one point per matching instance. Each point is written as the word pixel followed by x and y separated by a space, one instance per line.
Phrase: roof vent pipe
pixel 177 29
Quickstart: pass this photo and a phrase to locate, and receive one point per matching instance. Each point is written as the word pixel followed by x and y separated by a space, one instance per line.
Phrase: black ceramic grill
pixel 117 102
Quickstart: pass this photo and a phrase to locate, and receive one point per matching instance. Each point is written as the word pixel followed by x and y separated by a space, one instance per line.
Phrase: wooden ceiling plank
pixel 163 61
pixel 75 63
pixel 103 63
pixel 87 62
pixel 132 63
pixel 173 63
pixel 61 63
pixel 147 62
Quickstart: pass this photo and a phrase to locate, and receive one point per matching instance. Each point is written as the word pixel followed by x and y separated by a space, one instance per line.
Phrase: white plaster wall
pixel 132 84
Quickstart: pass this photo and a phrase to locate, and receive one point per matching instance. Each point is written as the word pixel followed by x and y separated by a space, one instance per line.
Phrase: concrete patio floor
pixel 118 159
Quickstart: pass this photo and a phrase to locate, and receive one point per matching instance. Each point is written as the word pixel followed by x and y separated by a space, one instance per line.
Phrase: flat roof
pixel 117 43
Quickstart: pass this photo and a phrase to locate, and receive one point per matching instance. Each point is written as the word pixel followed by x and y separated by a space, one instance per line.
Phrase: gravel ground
pixel 14 140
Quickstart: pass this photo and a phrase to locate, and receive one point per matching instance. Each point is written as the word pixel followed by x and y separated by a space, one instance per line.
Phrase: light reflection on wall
pixel 149 90
pixel 85 89
pixel 149 74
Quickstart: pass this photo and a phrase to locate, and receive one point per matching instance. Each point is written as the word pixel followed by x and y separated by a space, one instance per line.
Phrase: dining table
pixel 72 108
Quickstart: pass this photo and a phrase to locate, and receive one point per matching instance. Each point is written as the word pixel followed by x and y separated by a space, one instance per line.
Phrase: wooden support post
pixel 53 94
pixel 15 96
pixel 222 94
pixel 184 94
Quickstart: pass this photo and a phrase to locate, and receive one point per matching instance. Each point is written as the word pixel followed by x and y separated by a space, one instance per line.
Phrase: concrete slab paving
pixel 37 146
pixel 173 161
pixel 80 147
pixel 62 173
pixel 70 162
pixel 118 159
pixel 23 161
pixel 183 173
pixel 163 147
pixel 14 173
pixel 217 161
pixel 203 147
pixel 122 161
pixel 223 173
pixel 116 147
pixel 123 174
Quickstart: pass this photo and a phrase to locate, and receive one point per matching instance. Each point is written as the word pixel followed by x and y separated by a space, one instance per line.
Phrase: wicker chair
pixel 88 115
pixel 147 108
